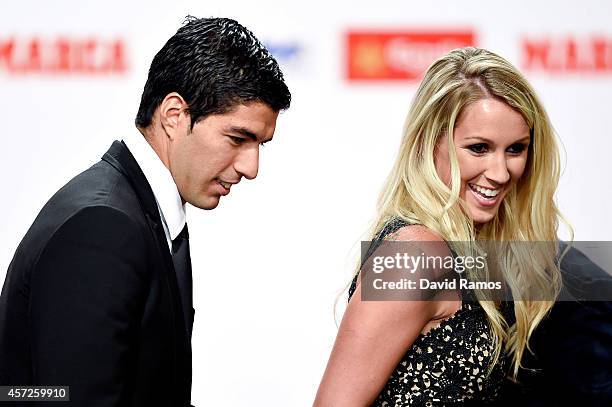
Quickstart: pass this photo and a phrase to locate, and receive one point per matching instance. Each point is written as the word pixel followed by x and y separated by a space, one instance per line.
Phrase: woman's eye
pixel 478 148
pixel 517 148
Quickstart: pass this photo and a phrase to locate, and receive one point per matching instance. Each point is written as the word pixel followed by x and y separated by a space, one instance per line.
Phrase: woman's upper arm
pixel 372 339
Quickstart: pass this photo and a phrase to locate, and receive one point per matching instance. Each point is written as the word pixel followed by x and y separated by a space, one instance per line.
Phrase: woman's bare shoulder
pixel 417 233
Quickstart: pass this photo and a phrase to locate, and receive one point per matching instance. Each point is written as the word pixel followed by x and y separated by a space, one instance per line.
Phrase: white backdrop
pixel 269 261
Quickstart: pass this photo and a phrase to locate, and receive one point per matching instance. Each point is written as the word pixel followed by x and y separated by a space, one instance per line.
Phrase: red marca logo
pixel 567 54
pixel 396 55
pixel 91 56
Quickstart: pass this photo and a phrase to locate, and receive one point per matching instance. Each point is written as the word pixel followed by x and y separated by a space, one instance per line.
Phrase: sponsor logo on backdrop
pixel 289 55
pixel 398 55
pixel 62 55
pixel 284 51
pixel 567 54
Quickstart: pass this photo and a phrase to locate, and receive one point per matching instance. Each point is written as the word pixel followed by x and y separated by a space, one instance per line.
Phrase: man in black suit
pixel 98 296
pixel 571 359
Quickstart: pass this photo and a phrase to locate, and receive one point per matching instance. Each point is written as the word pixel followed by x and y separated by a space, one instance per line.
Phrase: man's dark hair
pixel 214 64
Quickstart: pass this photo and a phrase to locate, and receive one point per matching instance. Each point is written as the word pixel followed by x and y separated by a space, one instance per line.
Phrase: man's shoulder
pixel 102 185
pixel 99 190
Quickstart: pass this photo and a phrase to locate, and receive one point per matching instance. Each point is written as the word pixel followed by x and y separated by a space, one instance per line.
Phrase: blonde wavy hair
pixel 415 193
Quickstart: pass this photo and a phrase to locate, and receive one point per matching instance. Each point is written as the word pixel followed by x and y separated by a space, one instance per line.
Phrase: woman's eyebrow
pixel 486 140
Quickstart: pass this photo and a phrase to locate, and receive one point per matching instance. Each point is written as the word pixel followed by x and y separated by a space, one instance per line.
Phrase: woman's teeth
pixel 225 185
pixel 486 192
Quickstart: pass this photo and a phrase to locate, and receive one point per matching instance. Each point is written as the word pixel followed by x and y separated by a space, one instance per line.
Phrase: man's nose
pixel 497 170
pixel 247 162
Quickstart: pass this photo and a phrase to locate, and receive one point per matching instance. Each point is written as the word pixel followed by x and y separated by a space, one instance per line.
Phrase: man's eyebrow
pixel 243 131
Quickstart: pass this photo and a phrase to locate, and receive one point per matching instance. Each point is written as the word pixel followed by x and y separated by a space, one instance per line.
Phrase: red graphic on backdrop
pixel 398 55
pixel 62 56
pixel 567 54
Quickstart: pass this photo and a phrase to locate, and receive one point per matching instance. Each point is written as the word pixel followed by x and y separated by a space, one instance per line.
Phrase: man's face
pixel 219 151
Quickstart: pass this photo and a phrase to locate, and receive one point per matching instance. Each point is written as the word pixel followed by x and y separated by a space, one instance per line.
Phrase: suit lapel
pixel 120 157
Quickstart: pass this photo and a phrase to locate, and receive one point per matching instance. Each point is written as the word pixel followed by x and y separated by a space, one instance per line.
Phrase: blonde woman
pixel 478 161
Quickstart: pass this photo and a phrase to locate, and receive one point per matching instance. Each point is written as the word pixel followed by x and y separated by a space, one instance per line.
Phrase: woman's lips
pixel 483 200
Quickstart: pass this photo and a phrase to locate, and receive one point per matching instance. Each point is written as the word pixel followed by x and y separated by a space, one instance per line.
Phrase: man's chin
pixel 207 204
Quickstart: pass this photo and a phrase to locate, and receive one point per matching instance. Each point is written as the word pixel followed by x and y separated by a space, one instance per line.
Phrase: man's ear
pixel 173 115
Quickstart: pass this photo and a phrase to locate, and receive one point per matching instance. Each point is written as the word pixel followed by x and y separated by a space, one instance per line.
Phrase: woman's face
pixel 491 142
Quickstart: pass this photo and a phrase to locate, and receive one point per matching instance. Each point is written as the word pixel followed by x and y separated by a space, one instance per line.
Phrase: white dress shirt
pixel 169 203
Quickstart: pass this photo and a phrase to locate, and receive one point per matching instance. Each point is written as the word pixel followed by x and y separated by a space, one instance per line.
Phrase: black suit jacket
pixel 91 299
pixel 571 363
